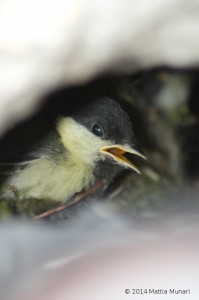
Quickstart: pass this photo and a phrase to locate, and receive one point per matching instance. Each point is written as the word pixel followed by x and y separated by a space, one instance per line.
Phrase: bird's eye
pixel 97 130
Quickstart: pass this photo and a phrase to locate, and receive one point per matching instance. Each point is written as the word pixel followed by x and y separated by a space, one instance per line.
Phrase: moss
pixel 143 194
pixel 176 115
pixel 30 207
pixel 5 209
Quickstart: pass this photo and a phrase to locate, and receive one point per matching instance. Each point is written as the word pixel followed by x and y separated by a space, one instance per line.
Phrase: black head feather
pixel 106 114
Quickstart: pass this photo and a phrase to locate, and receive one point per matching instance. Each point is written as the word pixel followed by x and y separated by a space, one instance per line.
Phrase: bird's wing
pixel 10 168
pixel 16 152
pixel 14 160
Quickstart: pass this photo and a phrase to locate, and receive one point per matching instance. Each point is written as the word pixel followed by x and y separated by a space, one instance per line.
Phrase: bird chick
pixel 88 146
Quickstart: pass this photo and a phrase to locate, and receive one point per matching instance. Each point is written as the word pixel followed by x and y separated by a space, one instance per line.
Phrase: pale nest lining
pixel 53 43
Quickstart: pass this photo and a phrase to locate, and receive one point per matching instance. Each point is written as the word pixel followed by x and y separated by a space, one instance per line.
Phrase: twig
pixel 116 192
pixel 73 201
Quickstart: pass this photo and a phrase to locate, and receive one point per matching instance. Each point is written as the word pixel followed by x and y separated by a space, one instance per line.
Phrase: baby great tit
pixel 88 146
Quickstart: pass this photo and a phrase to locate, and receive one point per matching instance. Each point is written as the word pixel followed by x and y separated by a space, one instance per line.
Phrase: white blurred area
pixel 99 257
pixel 52 43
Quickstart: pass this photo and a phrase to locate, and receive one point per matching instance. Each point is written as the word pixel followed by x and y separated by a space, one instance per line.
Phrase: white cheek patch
pixel 79 141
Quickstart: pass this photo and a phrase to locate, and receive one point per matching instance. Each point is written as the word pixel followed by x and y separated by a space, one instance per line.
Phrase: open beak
pixel 120 154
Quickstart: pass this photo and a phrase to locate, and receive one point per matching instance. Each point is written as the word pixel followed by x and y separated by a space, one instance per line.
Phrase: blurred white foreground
pixel 99 258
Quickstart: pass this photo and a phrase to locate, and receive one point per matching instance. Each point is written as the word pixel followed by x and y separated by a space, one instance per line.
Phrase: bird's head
pixel 101 136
